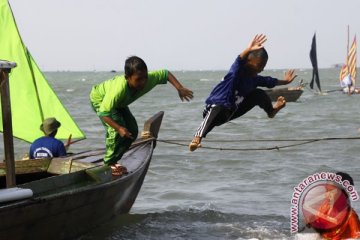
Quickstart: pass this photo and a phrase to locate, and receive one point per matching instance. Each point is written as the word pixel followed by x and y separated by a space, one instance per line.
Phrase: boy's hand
pixel 185 93
pixel 257 42
pixel 289 76
pixel 124 133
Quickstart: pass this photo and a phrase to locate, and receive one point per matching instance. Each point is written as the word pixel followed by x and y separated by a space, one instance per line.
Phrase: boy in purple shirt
pixel 237 93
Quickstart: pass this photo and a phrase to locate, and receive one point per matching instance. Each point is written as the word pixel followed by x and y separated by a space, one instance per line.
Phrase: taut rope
pixel 302 142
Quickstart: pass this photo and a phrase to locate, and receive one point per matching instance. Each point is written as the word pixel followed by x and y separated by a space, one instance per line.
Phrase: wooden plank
pixel 67 165
pixel 27 166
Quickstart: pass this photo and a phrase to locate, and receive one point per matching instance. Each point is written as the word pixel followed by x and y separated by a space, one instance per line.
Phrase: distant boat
pixel 59 198
pixel 292 94
pixel 313 58
pixel 348 71
pixel 337 65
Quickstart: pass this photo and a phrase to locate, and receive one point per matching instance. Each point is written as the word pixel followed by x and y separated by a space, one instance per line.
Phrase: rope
pixel 325 91
pixel 302 142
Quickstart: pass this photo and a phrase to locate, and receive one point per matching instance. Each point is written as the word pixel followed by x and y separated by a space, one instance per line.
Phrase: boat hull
pixel 65 214
pixel 290 95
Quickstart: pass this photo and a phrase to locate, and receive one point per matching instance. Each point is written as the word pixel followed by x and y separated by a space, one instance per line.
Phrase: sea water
pixel 234 193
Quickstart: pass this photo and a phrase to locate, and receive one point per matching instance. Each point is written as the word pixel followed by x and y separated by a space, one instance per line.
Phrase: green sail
pixel 32 98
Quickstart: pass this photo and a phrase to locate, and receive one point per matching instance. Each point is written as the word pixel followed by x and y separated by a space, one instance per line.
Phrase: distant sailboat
pixel 292 94
pixel 348 71
pixel 314 63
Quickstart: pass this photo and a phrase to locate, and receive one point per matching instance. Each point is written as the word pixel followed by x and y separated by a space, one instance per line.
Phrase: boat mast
pixel 348 39
pixel 5 69
pixel 347 51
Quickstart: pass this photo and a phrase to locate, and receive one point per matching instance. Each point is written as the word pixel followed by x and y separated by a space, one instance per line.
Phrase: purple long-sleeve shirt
pixel 234 87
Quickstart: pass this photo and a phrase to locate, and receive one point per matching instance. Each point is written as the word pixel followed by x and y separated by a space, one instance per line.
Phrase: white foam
pixel 307 236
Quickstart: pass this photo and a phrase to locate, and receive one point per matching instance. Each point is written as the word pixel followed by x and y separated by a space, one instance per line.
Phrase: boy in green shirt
pixel 110 100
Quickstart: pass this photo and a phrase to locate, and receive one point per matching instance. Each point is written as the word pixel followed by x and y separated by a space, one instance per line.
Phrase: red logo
pixel 325 206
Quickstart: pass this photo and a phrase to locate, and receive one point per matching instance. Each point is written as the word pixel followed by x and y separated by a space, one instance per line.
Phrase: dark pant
pixel 216 115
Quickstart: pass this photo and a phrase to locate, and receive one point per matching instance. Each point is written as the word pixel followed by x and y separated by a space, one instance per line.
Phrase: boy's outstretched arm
pixel 289 76
pixel 255 44
pixel 184 93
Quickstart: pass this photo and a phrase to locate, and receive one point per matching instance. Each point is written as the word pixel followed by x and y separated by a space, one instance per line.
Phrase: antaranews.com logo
pixel 322 200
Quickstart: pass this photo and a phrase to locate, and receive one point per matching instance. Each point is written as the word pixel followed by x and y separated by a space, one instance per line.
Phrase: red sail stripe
pixel 352 60
pixel 343 72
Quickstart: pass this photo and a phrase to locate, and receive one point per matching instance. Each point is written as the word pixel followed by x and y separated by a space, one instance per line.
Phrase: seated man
pixel 347 85
pixel 48 146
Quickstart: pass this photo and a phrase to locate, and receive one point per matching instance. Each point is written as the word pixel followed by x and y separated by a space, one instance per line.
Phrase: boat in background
pixel 292 94
pixel 348 71
pixel 58 198
pixel 313 58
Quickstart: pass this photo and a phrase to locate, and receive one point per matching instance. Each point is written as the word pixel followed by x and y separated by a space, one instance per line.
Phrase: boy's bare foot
pixel 280 103
pixel 118 169
pixel 195 143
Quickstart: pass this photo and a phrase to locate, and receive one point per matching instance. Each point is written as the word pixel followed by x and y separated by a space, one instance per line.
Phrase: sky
pixel 87 35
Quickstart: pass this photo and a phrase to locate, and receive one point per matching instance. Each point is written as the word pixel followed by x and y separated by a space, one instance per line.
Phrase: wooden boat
pixel 291 94
pixel 57 198
pixel 65 205
pixel 67 196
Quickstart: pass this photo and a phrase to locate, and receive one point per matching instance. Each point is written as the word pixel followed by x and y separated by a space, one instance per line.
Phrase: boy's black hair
pixel 259 53
pixel 346 176
pixel 134 64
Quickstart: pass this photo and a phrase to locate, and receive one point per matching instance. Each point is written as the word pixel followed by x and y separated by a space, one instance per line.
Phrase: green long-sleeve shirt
pixel 115 93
